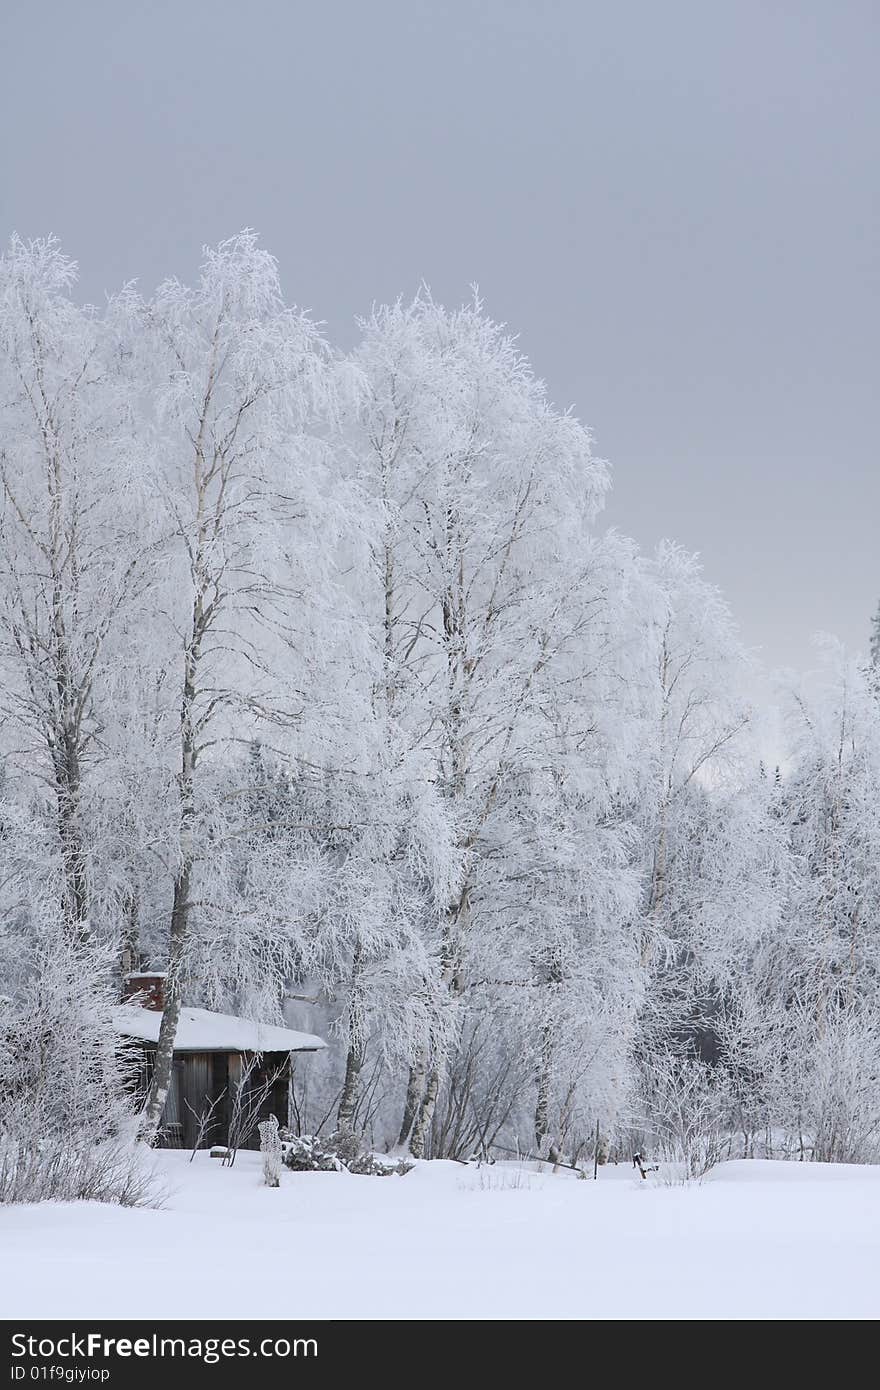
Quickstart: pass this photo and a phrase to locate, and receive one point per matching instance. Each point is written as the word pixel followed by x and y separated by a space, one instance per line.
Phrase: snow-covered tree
pixel 70 554
pixel 487 494
pixel 239 383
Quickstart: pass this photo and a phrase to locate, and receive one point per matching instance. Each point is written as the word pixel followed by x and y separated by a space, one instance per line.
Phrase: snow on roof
pixel 199 1030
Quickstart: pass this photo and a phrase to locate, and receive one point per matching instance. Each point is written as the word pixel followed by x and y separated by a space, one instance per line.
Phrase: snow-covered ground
pixel 757 1239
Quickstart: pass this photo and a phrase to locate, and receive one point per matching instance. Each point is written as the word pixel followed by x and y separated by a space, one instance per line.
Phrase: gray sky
pixel 675 204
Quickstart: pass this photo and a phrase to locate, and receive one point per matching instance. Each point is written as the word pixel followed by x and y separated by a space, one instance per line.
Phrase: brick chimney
pixel 149 985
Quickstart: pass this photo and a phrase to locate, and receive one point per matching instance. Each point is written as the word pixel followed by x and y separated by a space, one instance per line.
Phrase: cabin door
pixel 172 1115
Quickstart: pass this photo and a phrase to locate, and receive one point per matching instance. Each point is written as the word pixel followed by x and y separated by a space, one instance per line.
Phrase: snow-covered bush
pixel 826 1089
pixel 307 1153
pixel 338 1153
pixel 844 1092
pixel 681 1116
pixel 68 1119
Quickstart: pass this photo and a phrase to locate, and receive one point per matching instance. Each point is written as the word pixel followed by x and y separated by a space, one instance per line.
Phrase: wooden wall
pixel 199 1078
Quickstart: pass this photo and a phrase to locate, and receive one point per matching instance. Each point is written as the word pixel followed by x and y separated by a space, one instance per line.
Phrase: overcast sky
pixel 674 204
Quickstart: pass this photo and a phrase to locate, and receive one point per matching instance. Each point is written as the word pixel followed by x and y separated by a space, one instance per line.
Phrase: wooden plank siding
pixel 198 1078
pixel 197 1092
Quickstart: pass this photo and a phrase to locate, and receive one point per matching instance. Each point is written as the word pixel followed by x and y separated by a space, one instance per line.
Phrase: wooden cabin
pixel 222 1064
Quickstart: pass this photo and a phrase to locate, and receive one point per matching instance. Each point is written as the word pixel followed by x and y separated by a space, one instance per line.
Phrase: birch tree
pixel 70 555
pixel 239 382
pixel 697 719
pixel 485 487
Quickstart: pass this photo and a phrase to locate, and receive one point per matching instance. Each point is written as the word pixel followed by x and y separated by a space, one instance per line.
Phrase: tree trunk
pixel 180 906
pixel 73 853
pixel 656 891
pixel 130 955
pixel 542 1105
pixel 354 1060
pixel 457 920
pixel 425 1115
pixel 65 751
pixel 173 998
pixel 415 1088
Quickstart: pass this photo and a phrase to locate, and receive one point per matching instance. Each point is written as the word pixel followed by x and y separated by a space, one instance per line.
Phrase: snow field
pixel 755 1240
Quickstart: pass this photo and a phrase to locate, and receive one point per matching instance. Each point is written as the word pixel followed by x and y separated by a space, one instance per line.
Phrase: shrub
pixel 68 1120
pixel 683 1116
pixel 339 1152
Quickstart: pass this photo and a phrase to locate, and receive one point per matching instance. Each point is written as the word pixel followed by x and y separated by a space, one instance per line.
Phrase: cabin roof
pixel 200 1030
